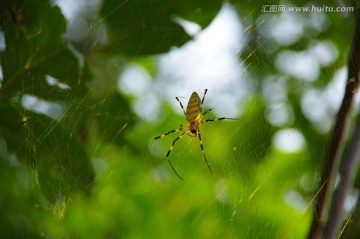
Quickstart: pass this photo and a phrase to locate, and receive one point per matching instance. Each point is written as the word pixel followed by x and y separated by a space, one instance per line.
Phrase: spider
pixel 194 116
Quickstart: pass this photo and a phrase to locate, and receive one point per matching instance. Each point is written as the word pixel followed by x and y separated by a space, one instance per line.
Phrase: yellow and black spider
pixel 194 116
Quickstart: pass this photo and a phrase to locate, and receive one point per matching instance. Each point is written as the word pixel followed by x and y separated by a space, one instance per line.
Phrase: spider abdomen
pixel 193 108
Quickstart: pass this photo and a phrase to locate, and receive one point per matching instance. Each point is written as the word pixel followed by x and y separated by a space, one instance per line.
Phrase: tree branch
pixel 347 175
pixel 336 144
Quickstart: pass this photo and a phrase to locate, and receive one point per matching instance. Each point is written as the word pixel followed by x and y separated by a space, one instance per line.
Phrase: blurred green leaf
pixel 55 156
pixel 140 27
pixel 34 49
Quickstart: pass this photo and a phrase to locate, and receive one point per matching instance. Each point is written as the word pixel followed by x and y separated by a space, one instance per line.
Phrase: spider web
pixel 266 164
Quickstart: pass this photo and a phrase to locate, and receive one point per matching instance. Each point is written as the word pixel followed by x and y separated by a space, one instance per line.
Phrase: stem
pixel 347 175
pixel 335 148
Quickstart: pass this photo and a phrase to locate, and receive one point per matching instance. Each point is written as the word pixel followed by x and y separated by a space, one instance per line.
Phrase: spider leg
pixel 217 119
pixel 207 111
pixel 203 152
pixel 170 132
pixel 175 170
pixel 181 105
pixel 171 148
pixel 191 134
pixel 202 101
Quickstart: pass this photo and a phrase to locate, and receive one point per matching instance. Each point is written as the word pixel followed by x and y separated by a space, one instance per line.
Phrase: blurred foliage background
pixel 86 86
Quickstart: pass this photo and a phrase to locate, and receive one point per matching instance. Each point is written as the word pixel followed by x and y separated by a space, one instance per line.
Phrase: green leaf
pixel 55 156
pixel 140 27
pixel 35 49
